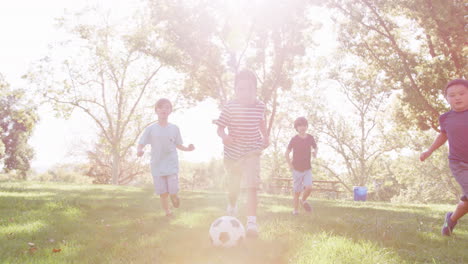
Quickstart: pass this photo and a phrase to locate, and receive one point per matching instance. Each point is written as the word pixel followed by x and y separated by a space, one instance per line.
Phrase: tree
pixel 418 45
pixel 428 182
pixel 214 39
pixel 356 136
pixel 100 160
pixel 17 120
pixel 104 73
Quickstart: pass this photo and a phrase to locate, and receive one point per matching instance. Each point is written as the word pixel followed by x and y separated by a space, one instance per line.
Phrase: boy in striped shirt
pixel 244 118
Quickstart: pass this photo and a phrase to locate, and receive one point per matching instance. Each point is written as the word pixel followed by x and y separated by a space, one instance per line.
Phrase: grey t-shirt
pixel 455 126
pixel 163 141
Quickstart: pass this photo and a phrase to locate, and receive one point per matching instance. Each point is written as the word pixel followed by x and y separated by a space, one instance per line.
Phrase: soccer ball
pixel 226 231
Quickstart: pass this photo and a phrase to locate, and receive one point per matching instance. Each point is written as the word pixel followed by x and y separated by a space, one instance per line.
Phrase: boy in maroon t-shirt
pixel 301 145
pixel 454 128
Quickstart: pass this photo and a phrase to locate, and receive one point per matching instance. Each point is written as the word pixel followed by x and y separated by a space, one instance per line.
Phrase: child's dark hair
pixel 455 82
pixel 162 102
pixel 300 121
pixel 246 75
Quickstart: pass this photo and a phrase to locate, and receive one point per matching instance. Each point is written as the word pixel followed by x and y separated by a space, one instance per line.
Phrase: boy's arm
pixel 144 139
pixel 314 151
pixel 184 148
pixel 265 136
pixel 439 141
pixel 227 140
pixel 288 159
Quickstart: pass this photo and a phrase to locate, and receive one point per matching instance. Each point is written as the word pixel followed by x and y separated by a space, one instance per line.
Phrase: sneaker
pixel 448 226
pixel 307 206
pixel 252 230
pixel 231 210
pixel 295 212
pixel 175 201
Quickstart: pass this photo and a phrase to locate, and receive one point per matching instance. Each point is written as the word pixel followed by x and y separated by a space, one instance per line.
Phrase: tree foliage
pixel 106 75
pixel 214 39
pixel 17 120
pixel 418 45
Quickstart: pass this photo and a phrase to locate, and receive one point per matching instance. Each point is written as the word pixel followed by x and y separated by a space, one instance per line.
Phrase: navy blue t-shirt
pixel 301 148
pixel 455 126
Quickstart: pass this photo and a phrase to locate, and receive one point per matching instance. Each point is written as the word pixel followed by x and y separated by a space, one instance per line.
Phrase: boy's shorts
pixel 244 172
pixel 460 172
pixel 301 179
pixel 166 184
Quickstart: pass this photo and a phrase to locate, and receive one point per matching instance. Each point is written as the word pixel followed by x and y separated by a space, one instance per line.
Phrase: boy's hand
pixel 227 140
pixel 140 153
pixel 191 147
pixel 266 142
pixel 424 155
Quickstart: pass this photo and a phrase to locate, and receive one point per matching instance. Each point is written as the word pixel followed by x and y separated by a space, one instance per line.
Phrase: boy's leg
pixel 233 184
pixel 307 181
pixel 298 187
pixel 173 189
pixel 306 193
pixel 460 172
pixel 165 203
pixel 252 201
pixel 251 174
pixel 161 188
pixel 460 211
pixel 296 196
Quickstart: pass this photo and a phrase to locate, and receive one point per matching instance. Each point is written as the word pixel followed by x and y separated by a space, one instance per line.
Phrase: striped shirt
pixel 243 123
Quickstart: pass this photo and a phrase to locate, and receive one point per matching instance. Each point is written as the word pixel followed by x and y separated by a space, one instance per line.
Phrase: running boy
pixel 246 138
pixel 164 139
pixel 302 145
pixel 454 127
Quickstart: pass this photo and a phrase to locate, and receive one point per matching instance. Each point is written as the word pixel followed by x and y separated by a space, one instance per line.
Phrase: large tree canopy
pixel 417 45
pixel 213 40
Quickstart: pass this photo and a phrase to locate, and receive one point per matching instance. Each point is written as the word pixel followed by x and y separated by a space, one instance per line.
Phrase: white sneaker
pixel 231 210
pixel 251 229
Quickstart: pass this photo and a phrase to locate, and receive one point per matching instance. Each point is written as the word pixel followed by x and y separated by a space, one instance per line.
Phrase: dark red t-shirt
pixel 301 148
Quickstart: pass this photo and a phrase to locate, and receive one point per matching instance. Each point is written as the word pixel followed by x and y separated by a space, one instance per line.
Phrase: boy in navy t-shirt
pixel 301 145
pixel 454 128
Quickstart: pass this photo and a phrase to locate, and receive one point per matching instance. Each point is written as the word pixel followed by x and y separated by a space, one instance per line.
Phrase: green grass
pixel 108 224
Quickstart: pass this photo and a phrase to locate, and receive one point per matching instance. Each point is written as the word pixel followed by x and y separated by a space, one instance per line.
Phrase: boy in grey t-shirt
pixel 454 128
pixel 164 139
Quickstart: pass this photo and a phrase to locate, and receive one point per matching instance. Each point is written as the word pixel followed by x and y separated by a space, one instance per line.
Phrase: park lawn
pixel 113 224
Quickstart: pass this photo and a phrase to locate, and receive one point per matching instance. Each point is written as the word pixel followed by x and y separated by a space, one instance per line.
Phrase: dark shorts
pixel 460 172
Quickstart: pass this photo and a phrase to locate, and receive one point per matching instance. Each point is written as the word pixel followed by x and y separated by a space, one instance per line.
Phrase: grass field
pixel 109 224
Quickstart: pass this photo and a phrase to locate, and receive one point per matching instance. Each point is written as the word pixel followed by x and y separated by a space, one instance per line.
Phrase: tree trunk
pixel 115 166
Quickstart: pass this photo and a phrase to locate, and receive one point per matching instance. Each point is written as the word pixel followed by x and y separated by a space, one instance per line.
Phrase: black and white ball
pixel 226 231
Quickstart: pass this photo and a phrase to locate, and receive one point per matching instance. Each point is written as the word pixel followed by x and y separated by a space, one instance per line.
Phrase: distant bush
pixel 13 175
pixel 63 174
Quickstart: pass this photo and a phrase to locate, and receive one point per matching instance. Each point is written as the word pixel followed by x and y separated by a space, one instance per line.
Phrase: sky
pixel 26 30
